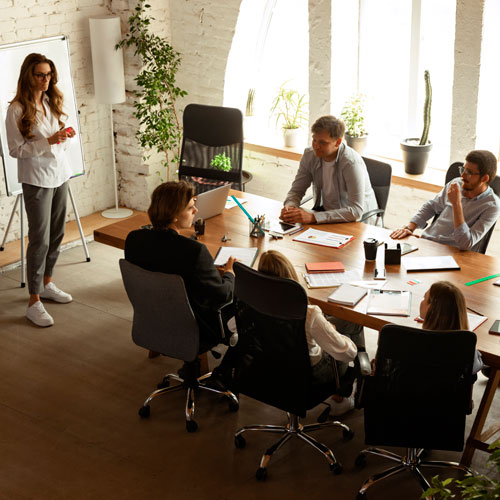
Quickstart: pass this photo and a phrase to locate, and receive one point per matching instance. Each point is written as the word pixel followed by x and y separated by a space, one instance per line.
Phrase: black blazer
pixel 168 252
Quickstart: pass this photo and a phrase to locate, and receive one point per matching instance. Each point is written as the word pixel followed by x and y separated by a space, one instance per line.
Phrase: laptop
pixel 212 203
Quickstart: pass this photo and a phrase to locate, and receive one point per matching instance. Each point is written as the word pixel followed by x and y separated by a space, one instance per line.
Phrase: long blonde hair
pixel 447 310
pixel 276 264
pixel 25 96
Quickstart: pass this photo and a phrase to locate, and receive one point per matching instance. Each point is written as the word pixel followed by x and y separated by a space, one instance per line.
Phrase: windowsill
pixel 431 180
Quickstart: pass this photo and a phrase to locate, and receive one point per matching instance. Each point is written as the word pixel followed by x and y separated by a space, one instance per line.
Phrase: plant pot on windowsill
pixel 356 143
pixel 291 136
pixel 415 156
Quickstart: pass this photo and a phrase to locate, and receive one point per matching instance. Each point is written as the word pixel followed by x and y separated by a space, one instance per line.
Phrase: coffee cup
pixel 199 227
pixel 371 245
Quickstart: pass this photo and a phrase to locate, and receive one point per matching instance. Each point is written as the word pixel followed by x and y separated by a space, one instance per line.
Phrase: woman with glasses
pixel 36 136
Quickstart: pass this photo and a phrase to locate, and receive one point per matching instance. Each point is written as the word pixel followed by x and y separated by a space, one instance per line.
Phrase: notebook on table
pixel 347 295
pixel 324 267
pixel 389 302
pixel 439 263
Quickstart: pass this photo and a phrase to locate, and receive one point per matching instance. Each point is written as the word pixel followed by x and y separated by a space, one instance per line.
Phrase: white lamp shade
pixel 107 62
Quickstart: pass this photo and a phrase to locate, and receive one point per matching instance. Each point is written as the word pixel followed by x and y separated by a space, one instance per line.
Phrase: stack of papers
pixel 441 263
pixel 347 295
pixel 389 303
pixel 245 255
pixel 324 238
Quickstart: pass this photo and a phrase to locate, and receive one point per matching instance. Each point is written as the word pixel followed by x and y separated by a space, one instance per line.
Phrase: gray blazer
pixel 354 194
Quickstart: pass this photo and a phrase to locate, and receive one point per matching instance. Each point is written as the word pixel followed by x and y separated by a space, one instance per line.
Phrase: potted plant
pixel 154 104
pixel 353 116
pixel 416 151
pixel 289 108
pixel 221 162
pixel 473 486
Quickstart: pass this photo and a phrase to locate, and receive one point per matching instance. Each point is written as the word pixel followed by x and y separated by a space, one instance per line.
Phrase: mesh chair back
pixel 452 173
pixel 274 365
pixel 208 131
pixel 380 174
pixel 163 319
pixel 420 392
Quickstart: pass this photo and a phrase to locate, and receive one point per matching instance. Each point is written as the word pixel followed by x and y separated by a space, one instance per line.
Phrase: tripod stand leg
pixel 77 218
pixel 23 267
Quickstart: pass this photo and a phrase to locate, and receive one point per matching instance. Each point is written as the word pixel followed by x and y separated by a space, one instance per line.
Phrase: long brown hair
pixel 25 96
pixel 447 310
pixel 276 264
pixel 167 201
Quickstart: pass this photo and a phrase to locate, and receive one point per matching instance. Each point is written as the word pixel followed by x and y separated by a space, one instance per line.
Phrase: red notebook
pixel 325 267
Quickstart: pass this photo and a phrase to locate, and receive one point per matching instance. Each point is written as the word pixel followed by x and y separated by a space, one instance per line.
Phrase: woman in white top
pixel 325 343
pixel 36 137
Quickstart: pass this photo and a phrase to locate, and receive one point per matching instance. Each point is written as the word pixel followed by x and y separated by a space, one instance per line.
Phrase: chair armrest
pixel 378 212
pixel 365 367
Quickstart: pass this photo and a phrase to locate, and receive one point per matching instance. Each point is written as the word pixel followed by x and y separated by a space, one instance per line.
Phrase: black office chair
pixel 417 398
pixel 273 364
pixel 209 131
pixel 452 173
pixel 164 322
pixel 380 174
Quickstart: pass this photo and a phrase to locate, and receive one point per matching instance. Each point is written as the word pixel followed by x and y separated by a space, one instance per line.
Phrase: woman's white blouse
pixel 38 163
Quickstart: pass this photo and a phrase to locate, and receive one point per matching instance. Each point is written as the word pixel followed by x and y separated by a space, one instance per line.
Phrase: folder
pixel 325 267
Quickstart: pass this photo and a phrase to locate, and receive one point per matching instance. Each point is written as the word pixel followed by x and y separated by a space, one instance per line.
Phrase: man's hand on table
pixel 294 215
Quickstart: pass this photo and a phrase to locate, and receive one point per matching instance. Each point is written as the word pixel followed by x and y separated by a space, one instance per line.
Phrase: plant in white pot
pixel 289 107
pixel 353 116
pixel 416 151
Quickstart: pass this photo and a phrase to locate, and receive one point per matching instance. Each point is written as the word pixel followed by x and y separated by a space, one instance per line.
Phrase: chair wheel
pixel 164 383
pixel 261 474
pixel 360 461
pixel 144 411
pixel 191 426
pixel 233 406
pixel 239 442
pixel 347 435
pixel 336 468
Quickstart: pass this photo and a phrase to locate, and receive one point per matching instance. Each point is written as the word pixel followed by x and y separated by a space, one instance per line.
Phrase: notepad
pixel 324 267
pixel 324 238
pixel 347 295
pixel 328 280
pixel 389 303
pixel 439 263
pixel 245 255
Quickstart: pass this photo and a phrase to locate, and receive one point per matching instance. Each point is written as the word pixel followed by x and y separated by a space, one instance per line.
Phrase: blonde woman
pixel 36 136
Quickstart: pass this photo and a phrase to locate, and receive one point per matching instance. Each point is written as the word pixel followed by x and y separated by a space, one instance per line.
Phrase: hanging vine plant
pixel 154 105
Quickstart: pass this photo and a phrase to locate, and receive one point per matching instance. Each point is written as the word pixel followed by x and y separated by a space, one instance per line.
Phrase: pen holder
pixel 393 255
pixel 256 230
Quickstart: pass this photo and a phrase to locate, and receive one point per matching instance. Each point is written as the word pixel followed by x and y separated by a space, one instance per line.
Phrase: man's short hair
pixel 486 162
pixel 334 126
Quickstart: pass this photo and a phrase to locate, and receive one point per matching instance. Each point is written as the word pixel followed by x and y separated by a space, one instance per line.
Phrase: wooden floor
pixel 69 396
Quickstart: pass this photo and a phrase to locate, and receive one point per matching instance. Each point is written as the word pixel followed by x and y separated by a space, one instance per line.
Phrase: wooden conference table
pixel 483 298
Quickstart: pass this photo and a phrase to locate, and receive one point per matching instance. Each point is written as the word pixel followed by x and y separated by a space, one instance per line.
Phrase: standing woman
pixel 36 137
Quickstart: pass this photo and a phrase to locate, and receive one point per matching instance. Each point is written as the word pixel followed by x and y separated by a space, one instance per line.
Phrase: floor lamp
pixel 109 82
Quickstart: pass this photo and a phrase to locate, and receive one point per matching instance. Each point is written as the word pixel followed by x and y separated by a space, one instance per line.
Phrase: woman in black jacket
pixel 164 249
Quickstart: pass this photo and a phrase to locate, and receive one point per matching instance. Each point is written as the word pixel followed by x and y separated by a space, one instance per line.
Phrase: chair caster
pixel 336 468
pixel 347 435
pixel 144 411
pixel 360 462
pixel 261 474
pixel 191 426
pixel 240 442
pixel 164 383
pixel 232 406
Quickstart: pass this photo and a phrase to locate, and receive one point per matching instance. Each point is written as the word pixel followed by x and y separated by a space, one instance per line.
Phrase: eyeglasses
pixel 467 172
pixel 43 76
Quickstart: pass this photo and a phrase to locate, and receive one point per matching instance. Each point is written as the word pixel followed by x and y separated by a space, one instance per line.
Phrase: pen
pixel 475 312
pixel 250 218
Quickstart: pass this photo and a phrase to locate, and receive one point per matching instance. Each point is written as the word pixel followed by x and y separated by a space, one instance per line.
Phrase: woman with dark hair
pixel 36 137
pixel 164 249
pixel 443 308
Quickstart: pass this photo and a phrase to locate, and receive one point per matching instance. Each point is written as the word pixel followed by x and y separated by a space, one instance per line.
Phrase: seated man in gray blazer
pixel 341 186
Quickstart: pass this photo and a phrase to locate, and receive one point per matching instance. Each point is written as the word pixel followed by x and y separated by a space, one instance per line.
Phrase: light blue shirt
pixel 480 213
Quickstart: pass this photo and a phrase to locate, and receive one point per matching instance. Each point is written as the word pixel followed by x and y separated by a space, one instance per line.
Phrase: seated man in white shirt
pixel 466 208
pixel 341 185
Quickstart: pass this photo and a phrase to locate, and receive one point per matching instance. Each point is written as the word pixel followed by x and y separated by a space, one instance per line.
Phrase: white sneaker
pixel 51 292
pixel 38 315
pixel 347 404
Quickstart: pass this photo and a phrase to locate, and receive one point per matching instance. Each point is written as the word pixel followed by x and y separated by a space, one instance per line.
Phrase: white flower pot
pixel 290 136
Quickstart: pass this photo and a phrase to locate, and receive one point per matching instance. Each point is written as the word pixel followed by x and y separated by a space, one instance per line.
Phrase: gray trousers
pixel 46 211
